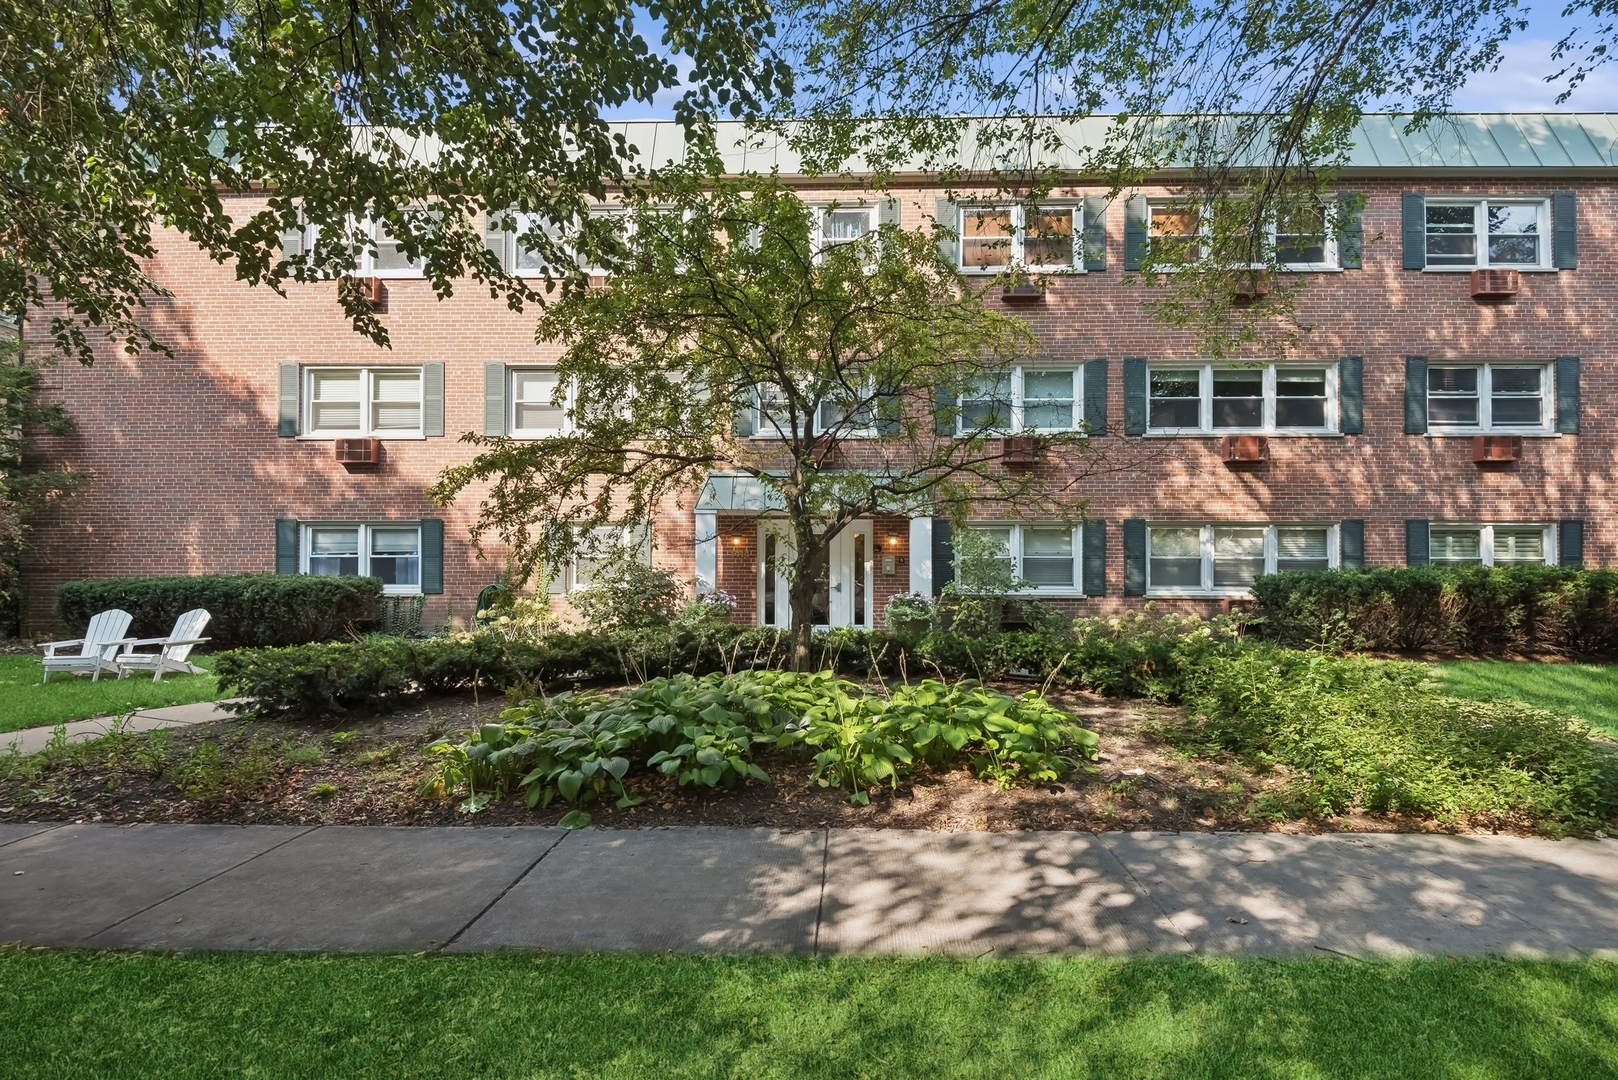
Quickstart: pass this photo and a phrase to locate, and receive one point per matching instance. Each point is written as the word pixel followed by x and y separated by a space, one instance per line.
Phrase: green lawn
pixel 139 1015
pixel 25 702
pixel 1586 690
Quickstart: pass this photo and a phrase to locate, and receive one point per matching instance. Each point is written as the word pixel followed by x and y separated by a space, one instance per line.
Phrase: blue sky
pixel 1517 86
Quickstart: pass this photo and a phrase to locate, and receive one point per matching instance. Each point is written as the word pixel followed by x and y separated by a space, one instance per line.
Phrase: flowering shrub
pixel 910 608
pixel 716 606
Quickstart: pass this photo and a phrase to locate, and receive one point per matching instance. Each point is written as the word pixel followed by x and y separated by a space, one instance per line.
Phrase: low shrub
pixel 1485 610
pixel 1140 655
pixel 249 610
pixel 1376 735
pixel 580 746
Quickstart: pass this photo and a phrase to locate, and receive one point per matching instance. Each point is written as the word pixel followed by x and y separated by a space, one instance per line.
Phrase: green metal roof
pixel 1482 142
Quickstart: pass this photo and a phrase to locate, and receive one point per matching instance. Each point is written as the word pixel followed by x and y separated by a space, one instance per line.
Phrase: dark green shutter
pixel 432 399
pixel 1135 557
pixel 947 224
pixel 1570 542
pixel 1414 208
pixel 944 410
pixel 1095 397
pixel 432 556
pixel 1135 396
pixel 286 546
pixel 494 399
pixel 887 412
pixel 1350 544
pixel 1567 395
pixel 1350 232
pixel 1415 395
pixel 1095 232
pixel 286 417
pixel 1095 558
pixel 1135 236
pixel 943 554
pixel 1564 230
pixel 1351 395
pixel 1416 543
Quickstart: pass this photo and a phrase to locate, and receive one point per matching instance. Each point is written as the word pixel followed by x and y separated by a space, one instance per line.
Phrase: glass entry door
pixel 842 595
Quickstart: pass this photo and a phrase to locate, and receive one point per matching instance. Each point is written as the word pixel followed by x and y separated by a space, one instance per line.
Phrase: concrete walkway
pixel 831 891
pixel 33 740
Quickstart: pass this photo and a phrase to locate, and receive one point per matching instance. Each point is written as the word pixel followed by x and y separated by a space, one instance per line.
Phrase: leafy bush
pixel 1376 735
pixel 1138 655
pixel 1488 610
pixel 627 595
pixel 581 746
pixel 247 609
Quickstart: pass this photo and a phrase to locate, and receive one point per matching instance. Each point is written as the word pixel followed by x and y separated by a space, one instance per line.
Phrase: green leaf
pixel 574 819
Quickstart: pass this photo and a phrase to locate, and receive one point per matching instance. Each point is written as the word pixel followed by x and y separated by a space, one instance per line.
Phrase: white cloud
pixel 1519 85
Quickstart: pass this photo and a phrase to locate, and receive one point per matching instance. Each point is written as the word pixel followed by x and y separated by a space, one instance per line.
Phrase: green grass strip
pixel 25 702
pixel 137 1015
pixel 1588 691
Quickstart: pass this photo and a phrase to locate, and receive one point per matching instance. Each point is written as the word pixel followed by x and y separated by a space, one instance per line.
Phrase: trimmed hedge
pixel 248 609
pixel 1137 656
pixel 1484 610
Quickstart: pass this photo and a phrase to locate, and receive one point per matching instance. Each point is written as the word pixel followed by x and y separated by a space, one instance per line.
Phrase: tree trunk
pixel 801 599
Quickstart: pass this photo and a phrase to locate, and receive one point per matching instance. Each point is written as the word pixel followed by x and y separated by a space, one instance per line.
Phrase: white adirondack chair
pixel 172 652
pixel 97 647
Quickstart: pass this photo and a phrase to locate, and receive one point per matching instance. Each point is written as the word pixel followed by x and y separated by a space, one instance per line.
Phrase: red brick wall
pixel 188 475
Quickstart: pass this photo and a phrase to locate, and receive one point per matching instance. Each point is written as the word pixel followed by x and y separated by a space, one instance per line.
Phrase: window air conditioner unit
pixel 1494 449
pixel 1490 283
pixel 1244 449
pixel 359 451
pixel 1019 450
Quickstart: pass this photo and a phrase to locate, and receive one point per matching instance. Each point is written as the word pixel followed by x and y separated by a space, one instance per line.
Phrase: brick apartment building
pixel 1479 301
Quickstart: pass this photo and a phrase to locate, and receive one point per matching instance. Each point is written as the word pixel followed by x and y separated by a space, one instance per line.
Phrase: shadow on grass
pixel 1589 691
pixel 116 1015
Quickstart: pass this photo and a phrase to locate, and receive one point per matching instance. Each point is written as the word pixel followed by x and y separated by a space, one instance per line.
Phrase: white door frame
pixel 846 579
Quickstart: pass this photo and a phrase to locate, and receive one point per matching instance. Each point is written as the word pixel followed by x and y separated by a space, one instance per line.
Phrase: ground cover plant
pixel 1377 735
pixel 114 1015
pixel 1588 691
pixel 25 702
pixel 579 747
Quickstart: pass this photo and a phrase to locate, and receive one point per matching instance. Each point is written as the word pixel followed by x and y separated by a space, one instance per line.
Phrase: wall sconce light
pixel 893 541
pixel 736 540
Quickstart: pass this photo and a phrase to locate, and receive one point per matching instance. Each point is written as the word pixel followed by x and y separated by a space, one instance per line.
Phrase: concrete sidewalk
pixel 33 740
pixel 832 891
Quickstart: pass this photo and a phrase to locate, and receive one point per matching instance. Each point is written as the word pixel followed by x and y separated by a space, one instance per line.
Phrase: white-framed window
pixel 1194 399
pixel 837 225
pixel 387 550
pixel 508 244
pixel 1491 545
pixel 599 547
pixel 1494 396
pixel 1465 234
pixel 1186 559
pixel 1045 558
pixel 993 239
pixel 534 408
pixel 851 415
pixel 1302 238
pixel 1305 238
pixel 1026 398
pixel 345 402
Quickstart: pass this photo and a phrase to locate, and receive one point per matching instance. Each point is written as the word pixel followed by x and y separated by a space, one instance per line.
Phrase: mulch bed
pixel 369 771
